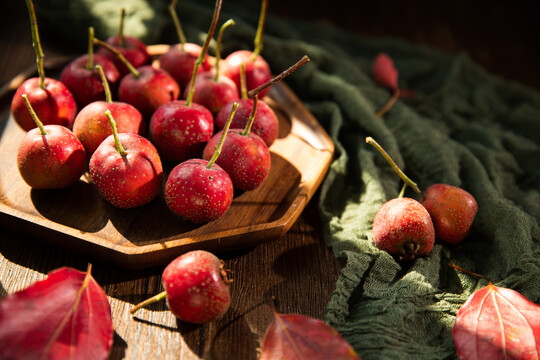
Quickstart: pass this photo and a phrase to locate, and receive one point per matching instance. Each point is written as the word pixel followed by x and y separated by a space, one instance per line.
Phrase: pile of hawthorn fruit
pixel 195 111
pixel 119 115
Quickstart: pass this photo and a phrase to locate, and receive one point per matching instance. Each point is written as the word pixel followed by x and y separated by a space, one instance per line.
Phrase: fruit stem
pixel 304 60
pixel 402 192
pixel 223 136
pixel 119 146
pixel 470 272
pixel 106 88
pixel 90 62
pixel 149 301
pixel 34 115
pixel 394 166
pixel 228 23
pixel 389 104
pixel 119 55
pixel 260 28
pixel 121 30
pixel 243 86
pixel 177 26
pixel 251 118
pixel 36 43
pixel 203 52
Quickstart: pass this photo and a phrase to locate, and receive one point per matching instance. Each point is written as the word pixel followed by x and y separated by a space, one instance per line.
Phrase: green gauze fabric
pixel 463 127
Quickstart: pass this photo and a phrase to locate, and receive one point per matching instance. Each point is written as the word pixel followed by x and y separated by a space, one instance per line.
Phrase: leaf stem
pixel 251 118
pixel 223 136
pixel 304 60
pixel 176 21
pixel 36 43
pixel 258 42
pixel 470 272
pixel 119 146
pixel 90 59
pixel 106 88
pixel 34 115
pixel 394 166
pixel 389 104
pixel 119 55
pixel 149 301
pixel 228 23
pixel 203 52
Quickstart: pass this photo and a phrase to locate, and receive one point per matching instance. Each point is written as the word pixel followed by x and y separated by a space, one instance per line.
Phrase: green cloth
pixel 464 127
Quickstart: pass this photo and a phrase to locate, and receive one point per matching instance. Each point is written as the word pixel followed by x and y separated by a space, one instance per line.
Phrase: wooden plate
pixel 79 219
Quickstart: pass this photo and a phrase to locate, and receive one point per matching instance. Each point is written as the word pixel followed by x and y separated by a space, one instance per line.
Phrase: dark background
pixel 501 35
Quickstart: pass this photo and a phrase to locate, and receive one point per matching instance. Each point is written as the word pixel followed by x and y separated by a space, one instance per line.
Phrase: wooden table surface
pixel 297 269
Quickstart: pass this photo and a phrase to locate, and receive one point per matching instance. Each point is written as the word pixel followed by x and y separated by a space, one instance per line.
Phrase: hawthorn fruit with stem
pixel 92 126
pixel 256 68
pixel 51 99
pixel 196 288
pixel 213 90
pixel 180 129
pixel 200 190
pixel 180 59
pixel 133 49
pixel 83 80
pixel 49 156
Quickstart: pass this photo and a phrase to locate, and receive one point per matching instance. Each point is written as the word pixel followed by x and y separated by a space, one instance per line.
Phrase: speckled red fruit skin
pixel 179 62
pixel 85 84
pixel 54 105
pixel 134 51
pixel 245 158
pixel 452 210
pixel 257 72
pixel 401 221
pixel 196 289
pixel 265 124
pixel 198 193
pixel 153 88
pixel 213 94
pixel 92 126
pixel 127 181
pixel 53 161
pixel 180 132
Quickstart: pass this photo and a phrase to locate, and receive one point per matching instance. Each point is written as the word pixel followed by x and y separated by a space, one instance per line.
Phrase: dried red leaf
pixel 298 337
pixel 497 323
pixel 384 71
pixel 65 316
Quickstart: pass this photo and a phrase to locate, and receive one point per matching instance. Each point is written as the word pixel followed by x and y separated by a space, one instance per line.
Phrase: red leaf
pixel 66 316
pixel 384 71
pixel 497 323
pixel 294 337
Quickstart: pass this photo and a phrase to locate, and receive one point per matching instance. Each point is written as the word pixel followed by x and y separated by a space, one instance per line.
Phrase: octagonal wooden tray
pixel 79 219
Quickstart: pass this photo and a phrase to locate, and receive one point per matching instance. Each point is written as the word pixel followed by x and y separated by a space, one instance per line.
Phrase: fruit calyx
pixel 224 273
pixel 409 251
